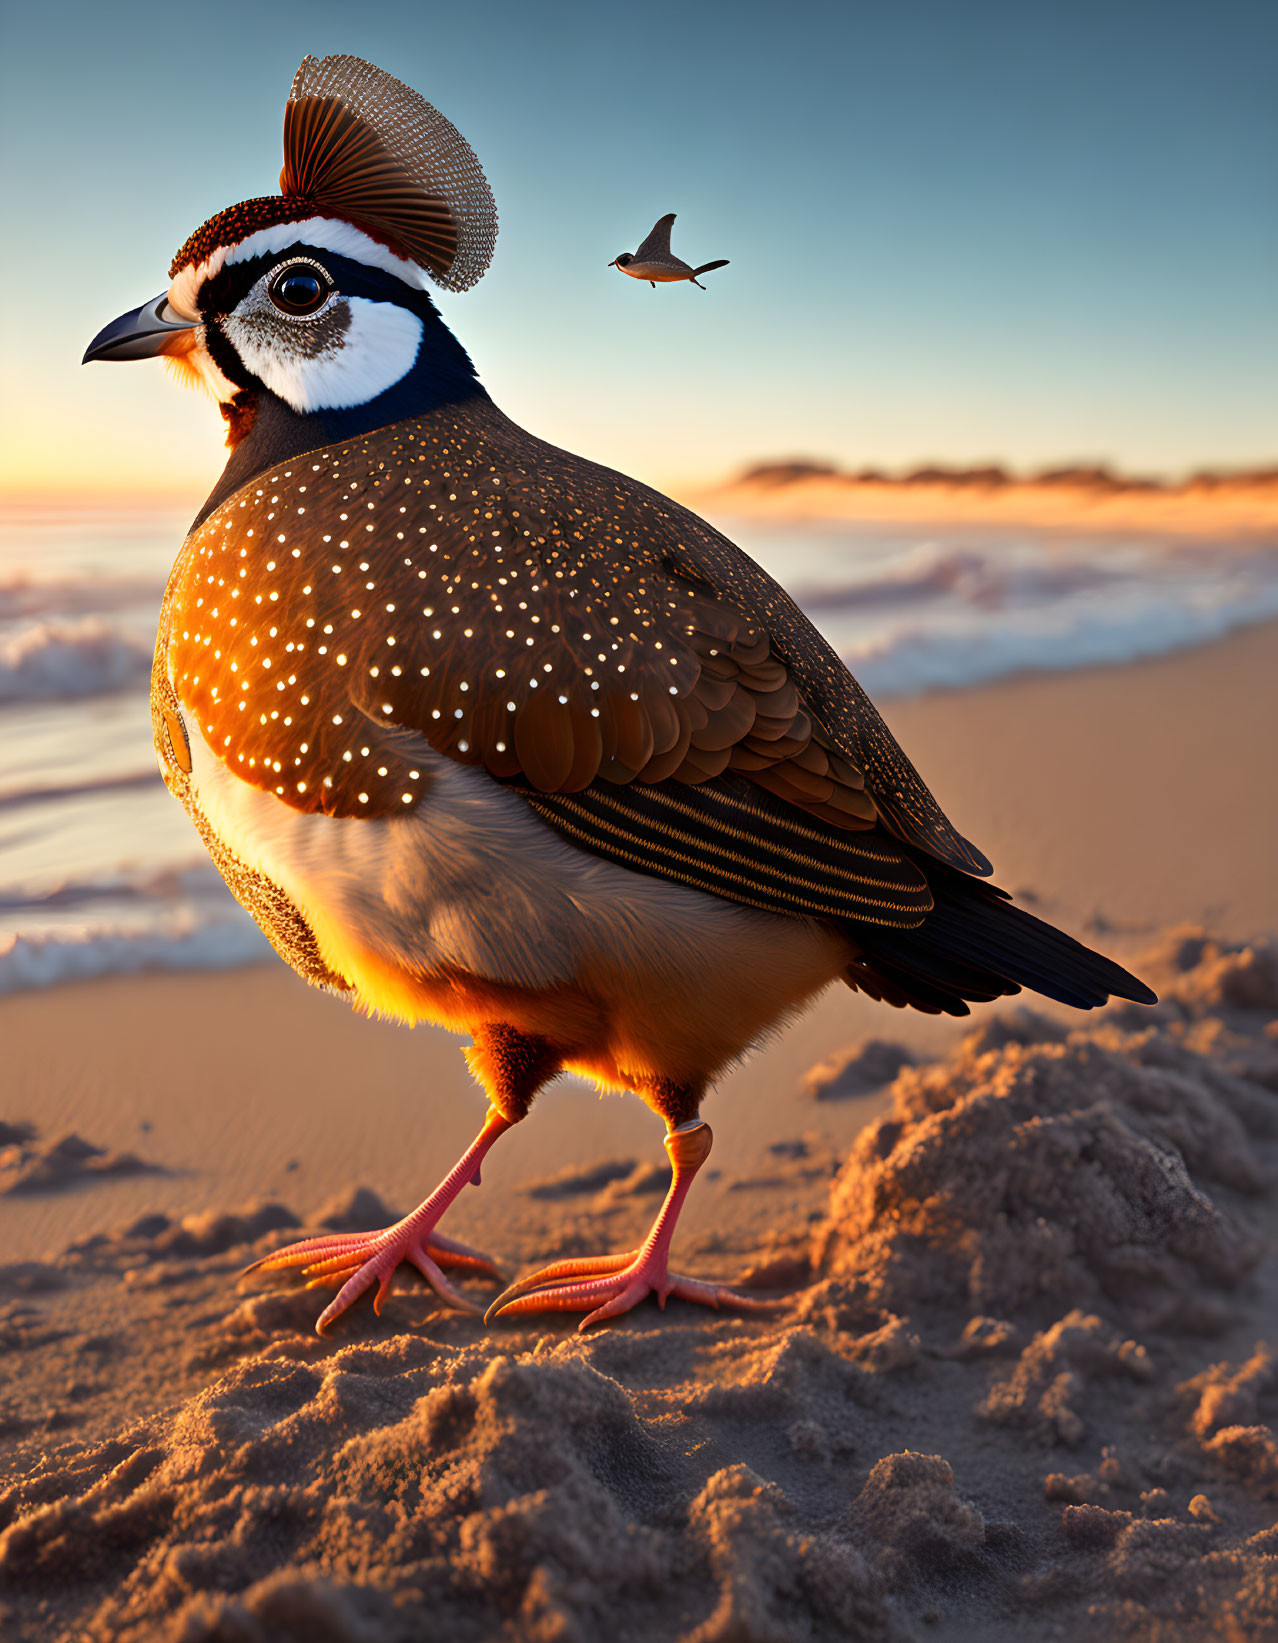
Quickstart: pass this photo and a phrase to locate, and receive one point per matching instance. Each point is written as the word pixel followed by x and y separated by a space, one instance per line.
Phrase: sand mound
pixel 857 1070
pixel 396 1492
pixel 1022 1396
pixel 30 1165
pixel 1018 1178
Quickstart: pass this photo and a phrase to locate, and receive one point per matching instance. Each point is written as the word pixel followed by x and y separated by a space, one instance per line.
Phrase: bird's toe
pixel 606 1286
pixel 352 1263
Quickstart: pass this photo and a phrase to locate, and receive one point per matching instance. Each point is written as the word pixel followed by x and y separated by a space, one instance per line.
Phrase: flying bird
pixel 485 734
pixel 654 260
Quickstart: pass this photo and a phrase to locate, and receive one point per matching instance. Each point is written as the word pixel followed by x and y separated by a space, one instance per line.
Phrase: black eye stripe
pixel 223 293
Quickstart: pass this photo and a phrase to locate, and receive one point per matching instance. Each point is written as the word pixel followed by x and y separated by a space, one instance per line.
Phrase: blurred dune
pixel 1242 503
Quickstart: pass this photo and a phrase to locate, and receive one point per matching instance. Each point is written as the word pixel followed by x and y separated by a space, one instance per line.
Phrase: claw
pixel 587 1266
pixel 451 1253
pixel 299 1254
pixel 332 1252
pixel 445 1290
pixel 347 1295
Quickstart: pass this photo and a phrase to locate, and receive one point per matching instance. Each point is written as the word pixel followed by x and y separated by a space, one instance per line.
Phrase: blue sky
pixel 958 232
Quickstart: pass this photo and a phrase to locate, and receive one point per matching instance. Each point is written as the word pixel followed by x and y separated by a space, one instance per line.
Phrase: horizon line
pixel 776 472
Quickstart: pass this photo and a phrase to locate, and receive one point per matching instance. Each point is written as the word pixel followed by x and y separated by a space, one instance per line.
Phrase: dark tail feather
pixel 974 943
pixel 893 984
pixel 707 266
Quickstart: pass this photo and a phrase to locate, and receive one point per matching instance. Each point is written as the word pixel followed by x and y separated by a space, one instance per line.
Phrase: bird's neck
pixel 265 431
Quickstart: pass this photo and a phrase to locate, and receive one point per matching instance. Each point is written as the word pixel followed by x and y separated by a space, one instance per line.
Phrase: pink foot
pixel 608 1285
pixel 611 1285
pixel 352 1262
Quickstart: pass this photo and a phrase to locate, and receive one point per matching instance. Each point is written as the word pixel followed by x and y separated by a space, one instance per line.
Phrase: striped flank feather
pixel 924 933
pixel 734 839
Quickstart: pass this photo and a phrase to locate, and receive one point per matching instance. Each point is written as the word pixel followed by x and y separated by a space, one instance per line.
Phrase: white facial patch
pixel 324 233
pixel 346 354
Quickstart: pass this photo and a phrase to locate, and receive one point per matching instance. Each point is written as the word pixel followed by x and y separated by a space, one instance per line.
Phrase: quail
pixel 655 261
pixel 487 735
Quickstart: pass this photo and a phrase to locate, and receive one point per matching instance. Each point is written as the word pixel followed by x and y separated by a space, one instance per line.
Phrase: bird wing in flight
pixel 657 245
pixel 576 634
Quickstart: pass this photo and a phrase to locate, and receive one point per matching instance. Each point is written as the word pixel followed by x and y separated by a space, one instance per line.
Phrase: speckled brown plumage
pixel 277 917
pixel 524 609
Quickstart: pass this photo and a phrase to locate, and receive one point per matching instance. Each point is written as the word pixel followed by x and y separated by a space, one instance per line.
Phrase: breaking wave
pixel 57 659
pixel 28 597
pixel 913 659
pixel 181 942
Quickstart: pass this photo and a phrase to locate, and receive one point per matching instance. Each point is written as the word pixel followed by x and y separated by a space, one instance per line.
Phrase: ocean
pixel 101 872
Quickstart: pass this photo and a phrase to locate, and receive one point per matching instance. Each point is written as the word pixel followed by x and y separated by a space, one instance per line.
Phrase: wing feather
pixel 730 838
pixel 657 244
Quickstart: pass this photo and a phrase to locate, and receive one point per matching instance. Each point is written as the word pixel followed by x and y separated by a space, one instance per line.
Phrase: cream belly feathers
pixel 446 913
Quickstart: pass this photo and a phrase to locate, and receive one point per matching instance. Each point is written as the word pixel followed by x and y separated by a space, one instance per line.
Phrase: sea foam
pixel 84 658
pixel 177 943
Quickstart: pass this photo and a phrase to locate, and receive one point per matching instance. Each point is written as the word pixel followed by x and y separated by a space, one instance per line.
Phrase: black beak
pixel 139 335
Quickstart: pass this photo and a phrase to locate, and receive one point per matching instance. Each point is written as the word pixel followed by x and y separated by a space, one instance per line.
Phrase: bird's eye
pixel 299 290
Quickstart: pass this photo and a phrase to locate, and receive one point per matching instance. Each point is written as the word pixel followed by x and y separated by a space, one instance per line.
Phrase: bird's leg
pixel 512 1066
pixel 605 1286
pixel 352 1262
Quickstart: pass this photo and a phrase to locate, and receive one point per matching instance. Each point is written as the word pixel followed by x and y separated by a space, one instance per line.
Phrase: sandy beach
pixel 973 1415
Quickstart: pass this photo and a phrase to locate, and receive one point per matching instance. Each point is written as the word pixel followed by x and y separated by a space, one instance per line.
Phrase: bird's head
pixel 315 299
pixel 622 260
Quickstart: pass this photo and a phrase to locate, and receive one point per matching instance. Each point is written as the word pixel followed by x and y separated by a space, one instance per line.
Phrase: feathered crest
pixel 367 145
pixel 362 146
